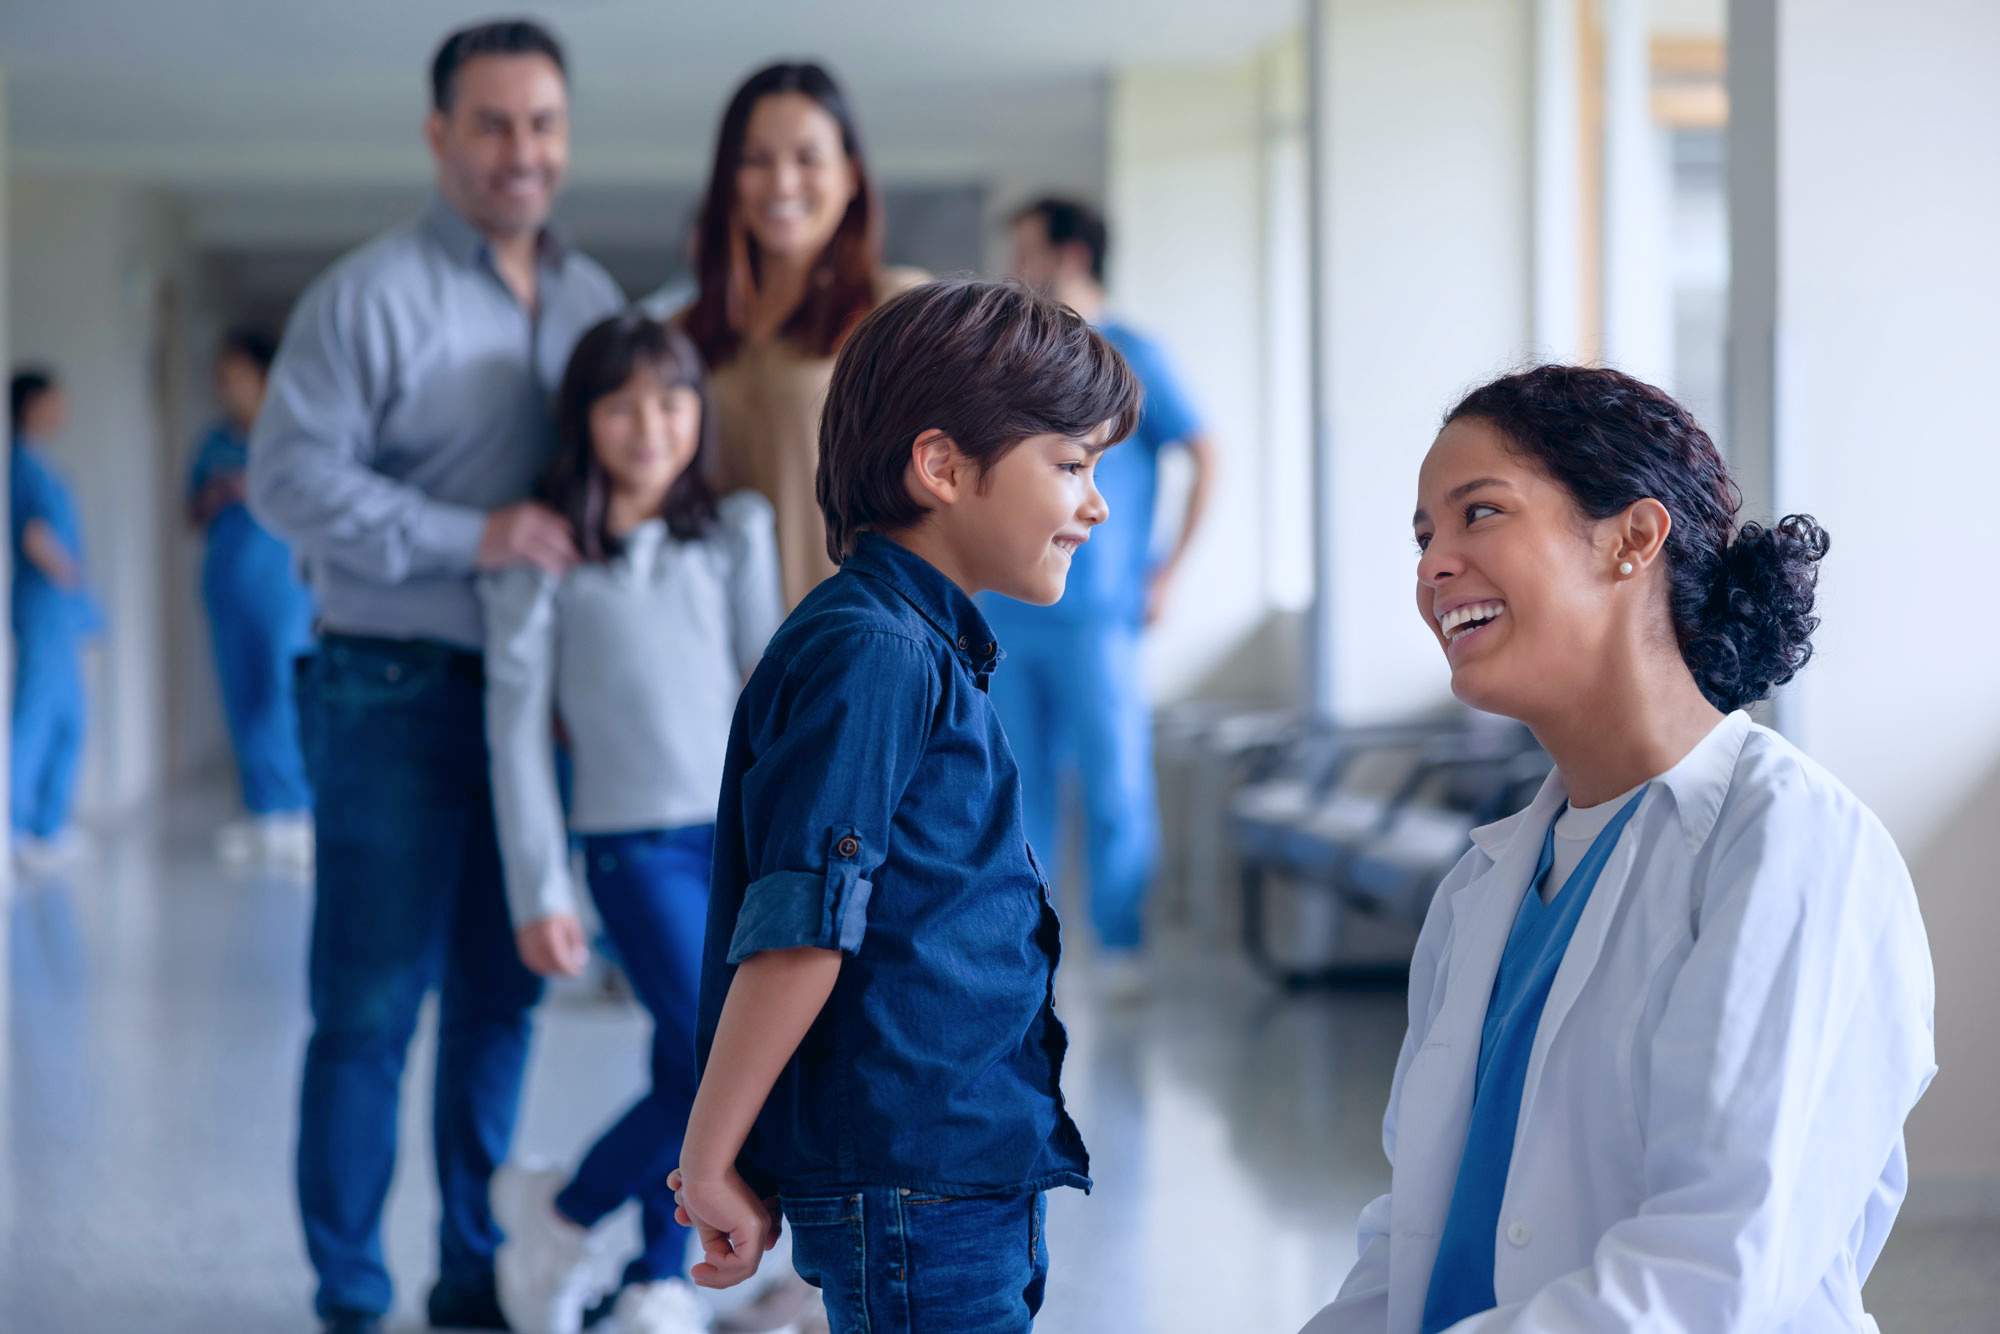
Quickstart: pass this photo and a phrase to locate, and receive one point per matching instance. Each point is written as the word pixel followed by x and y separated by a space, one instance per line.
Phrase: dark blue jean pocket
pixel 975 1263
pixel 830 1251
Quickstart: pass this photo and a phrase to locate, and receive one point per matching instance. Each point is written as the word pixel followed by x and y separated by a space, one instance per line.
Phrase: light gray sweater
pixel 643 658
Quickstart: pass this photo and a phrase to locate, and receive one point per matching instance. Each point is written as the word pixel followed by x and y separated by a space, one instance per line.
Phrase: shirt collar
pixel 1697 784
pixel 937 599
pixel 468 245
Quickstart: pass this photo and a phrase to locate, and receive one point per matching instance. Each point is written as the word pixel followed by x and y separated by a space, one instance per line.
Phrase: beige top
pixel 767 405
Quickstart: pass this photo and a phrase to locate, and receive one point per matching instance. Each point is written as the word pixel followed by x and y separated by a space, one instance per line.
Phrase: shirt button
pixel 987 652
pixel 848 847
pixel 965 644
pixel 1517 1233
pixel 395 673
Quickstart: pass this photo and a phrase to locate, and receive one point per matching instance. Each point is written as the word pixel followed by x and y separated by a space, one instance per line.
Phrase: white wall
pixel 1203 173
pixel 1885 137
pixel 88 260
pixel 1429 153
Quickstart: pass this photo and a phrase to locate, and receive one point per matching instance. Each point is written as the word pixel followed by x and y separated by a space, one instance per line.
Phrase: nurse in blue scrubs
pixel 260 618
pixel 1073 698
pixel 53 616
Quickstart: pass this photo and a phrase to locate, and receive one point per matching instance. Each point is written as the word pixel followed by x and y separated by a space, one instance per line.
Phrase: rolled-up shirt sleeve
pixel 311 479
pixel 820 799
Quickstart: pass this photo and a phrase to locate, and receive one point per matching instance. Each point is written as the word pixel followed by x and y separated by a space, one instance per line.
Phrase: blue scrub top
pixel 1108 577
pixel 38 491
pixel 1462 1279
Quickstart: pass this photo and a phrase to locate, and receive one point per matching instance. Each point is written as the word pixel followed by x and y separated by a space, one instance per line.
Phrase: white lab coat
pixel 1711 1134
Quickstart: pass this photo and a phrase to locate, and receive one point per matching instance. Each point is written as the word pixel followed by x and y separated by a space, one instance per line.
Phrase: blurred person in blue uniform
pixel 259 616
pixel 1074 699
pixel 53 615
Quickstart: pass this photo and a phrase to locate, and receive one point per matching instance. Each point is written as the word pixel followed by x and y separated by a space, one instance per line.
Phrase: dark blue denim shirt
pixel 870 804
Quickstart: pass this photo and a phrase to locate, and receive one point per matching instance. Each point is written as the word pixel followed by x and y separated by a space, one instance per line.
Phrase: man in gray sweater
pixel 407 420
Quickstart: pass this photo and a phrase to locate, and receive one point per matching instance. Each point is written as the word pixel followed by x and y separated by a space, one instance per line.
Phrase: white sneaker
pixel 548 1271
pixel 34 857
pixel 670 1306
pixel 287 837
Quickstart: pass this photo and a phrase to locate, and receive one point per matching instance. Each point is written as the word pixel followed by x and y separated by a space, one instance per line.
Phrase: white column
pixel 1558 208
pixel 1428 148
pixel 1884 203
pixel 1638 267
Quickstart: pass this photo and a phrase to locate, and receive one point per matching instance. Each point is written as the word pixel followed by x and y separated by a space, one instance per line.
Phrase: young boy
pixel 880 1052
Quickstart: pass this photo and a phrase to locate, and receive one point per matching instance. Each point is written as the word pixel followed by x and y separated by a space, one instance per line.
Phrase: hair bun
pixel 1757 624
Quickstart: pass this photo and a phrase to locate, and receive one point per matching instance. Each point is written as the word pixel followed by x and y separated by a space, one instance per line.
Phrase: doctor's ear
pixel 1639 535
pixel 939 472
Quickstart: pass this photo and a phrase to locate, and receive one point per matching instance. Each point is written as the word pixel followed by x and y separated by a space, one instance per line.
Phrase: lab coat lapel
pixel 1586 943
pixel 1435 1104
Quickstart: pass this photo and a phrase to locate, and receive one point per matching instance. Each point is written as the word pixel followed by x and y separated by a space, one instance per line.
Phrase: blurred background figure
pixel 52 616
pixel 788 257
pixel 259 617
pixel 406 424
pixel 1074 697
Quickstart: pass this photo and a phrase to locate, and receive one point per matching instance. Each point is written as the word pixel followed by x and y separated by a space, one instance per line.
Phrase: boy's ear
pixel 938 472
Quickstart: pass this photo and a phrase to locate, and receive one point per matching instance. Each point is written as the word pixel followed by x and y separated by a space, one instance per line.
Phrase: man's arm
pixel 773 1000
pixel 1201 450
pixel 311 478
pixel 45 551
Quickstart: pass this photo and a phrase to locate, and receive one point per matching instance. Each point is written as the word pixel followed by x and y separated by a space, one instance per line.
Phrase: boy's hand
pixel 553 944
pixel 735 1227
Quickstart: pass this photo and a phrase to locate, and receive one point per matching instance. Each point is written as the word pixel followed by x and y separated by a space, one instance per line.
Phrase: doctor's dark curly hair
pixel 1741 599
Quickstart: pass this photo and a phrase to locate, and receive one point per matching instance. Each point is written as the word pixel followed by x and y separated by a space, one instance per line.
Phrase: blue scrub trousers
pixel 408 896
pixel 48 717
pixel 260 619
pixel 651 889
pixel 1073 699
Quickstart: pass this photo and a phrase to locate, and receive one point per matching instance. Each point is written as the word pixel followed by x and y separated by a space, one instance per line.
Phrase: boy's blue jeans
pixel 892 1261
pixel 651 889
pixel 408 896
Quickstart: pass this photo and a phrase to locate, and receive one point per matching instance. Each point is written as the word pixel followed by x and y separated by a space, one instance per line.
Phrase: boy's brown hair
pixel 987 363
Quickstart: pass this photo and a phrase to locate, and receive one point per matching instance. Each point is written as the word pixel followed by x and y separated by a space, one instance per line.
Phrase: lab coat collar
pixel 1698 784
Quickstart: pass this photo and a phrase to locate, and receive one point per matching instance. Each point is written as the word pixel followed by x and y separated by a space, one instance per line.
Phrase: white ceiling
pixel 220 92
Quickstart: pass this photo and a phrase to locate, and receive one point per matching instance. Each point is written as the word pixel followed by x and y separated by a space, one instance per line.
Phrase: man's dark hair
pixel 987 363
pixel 26 386
pixel 1070 220
pixel 505 37
pixel 252 342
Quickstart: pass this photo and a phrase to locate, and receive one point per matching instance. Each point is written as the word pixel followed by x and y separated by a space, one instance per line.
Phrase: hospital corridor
pixel 1106 667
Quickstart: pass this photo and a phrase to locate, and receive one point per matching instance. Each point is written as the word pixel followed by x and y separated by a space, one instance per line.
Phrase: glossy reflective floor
pixel 154 1017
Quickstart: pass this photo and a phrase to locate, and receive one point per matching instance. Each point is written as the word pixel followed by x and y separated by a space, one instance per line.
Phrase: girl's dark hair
pixel 604 360
pixel 1742 600
pixel 842 286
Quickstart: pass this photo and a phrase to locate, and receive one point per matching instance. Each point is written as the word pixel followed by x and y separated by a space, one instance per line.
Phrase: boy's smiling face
pixel 1015 529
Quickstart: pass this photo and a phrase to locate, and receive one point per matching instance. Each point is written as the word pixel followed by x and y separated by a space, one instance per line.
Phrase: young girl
pixel 640 653
pixel 1665 1024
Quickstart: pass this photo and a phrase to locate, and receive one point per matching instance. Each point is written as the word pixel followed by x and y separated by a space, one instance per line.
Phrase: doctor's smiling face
pixel 1517 586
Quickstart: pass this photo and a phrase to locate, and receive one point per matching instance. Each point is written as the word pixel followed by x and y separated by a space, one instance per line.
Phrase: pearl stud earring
pixel 1625 567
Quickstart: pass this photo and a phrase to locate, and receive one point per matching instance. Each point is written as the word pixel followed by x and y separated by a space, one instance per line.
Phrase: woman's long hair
pixel 841 288
pixel 603 363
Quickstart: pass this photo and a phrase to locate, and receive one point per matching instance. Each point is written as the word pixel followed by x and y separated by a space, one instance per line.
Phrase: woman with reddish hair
pixel 787 254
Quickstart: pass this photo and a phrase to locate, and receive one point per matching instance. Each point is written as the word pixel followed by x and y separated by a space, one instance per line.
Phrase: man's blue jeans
pixel 651 889
pixel 408 896
pixel 892 1261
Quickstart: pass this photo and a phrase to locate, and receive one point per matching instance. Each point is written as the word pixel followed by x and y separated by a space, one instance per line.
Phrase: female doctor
pixel 1665 1024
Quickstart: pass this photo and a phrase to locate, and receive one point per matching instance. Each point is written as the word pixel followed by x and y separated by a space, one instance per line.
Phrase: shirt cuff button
pixel 848 847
